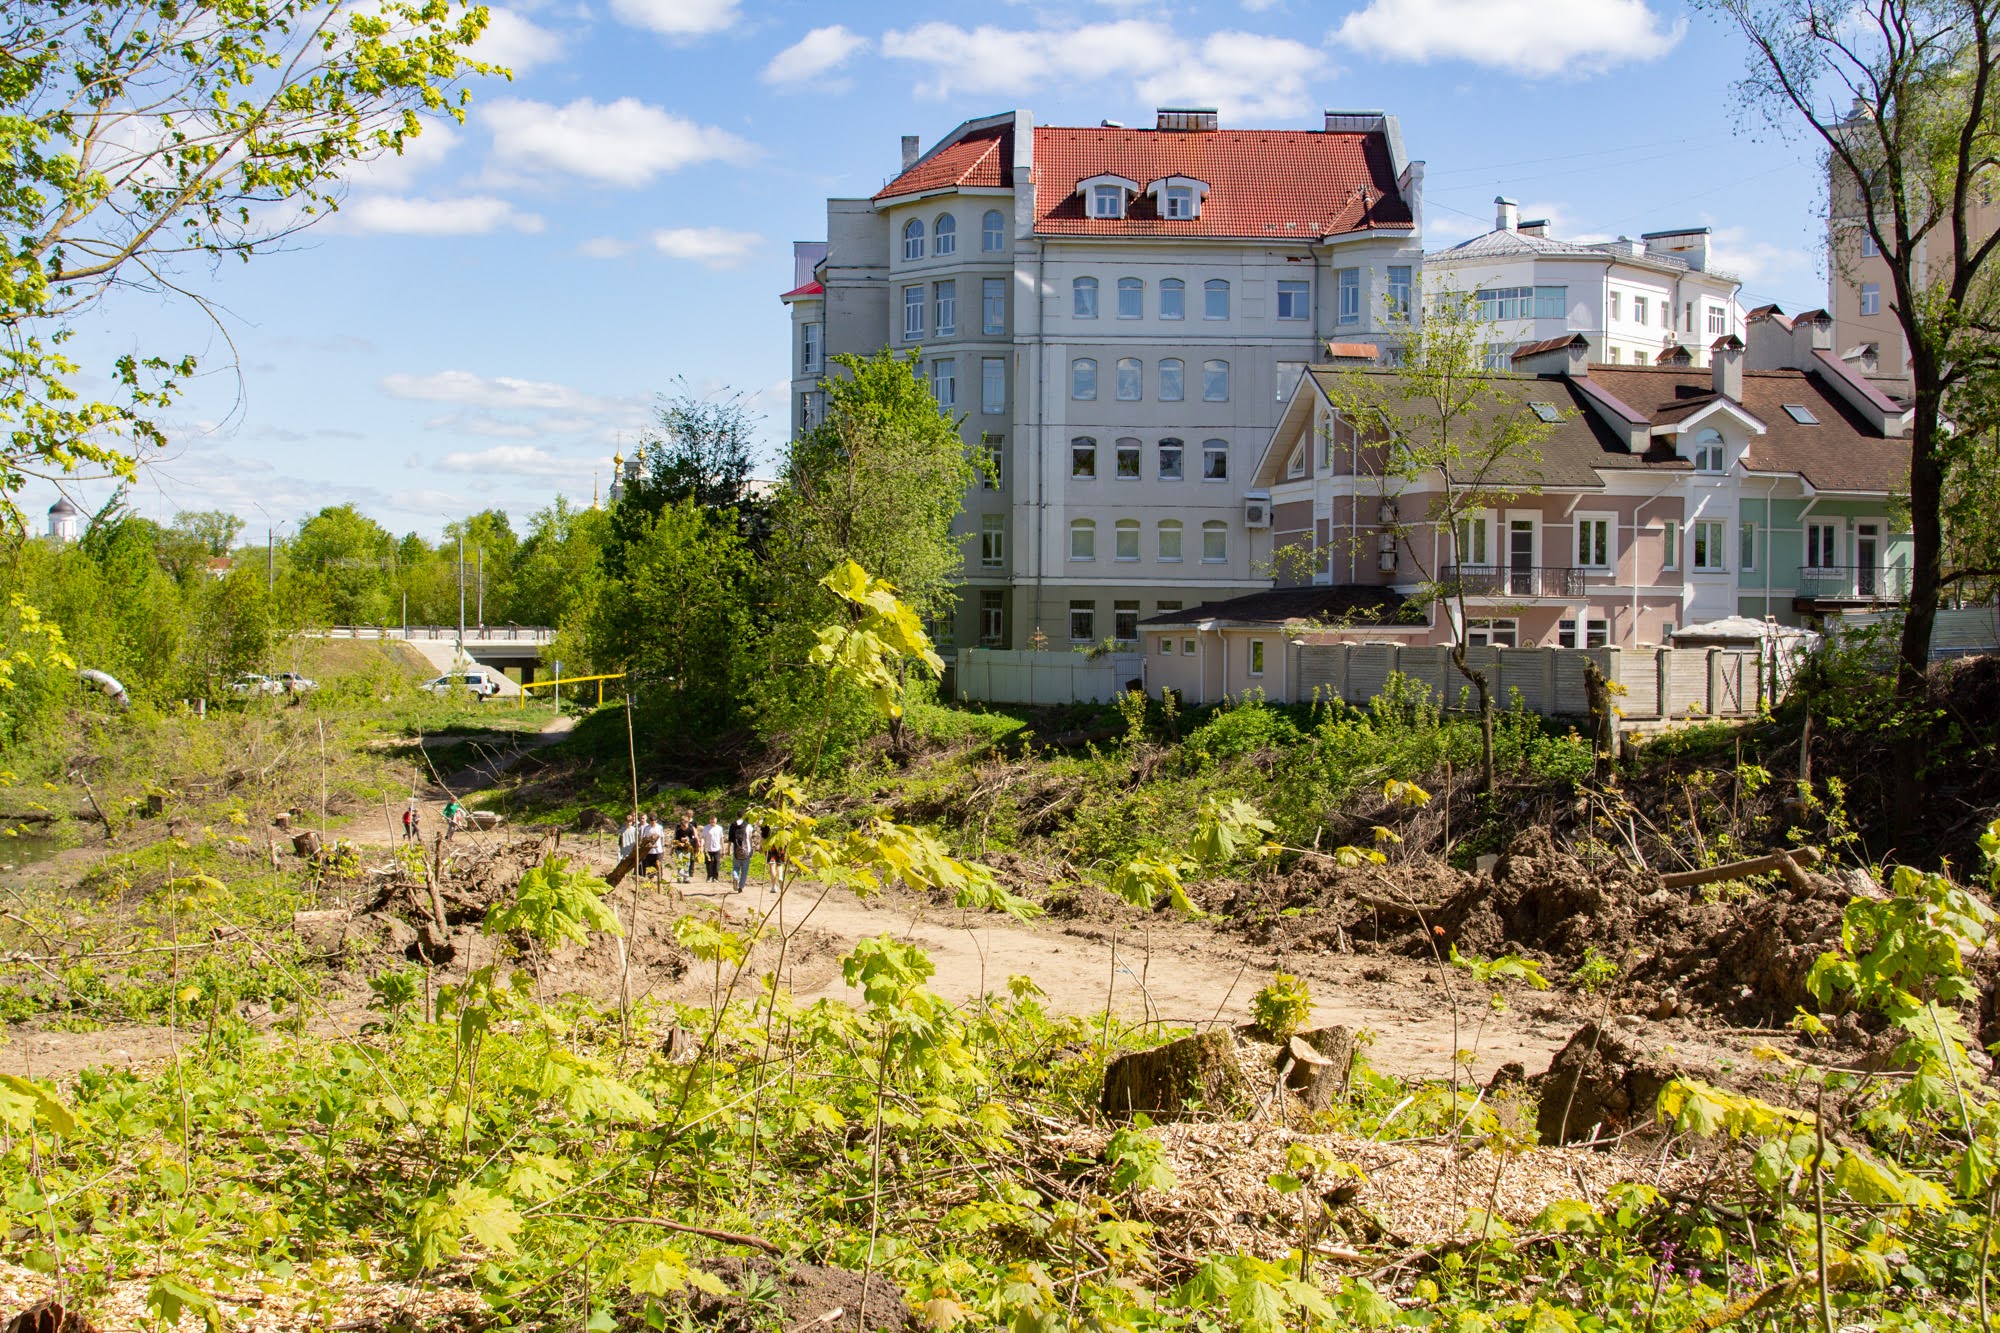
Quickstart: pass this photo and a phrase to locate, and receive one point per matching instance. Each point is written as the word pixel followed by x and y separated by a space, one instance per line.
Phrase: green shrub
pixel 1283 1006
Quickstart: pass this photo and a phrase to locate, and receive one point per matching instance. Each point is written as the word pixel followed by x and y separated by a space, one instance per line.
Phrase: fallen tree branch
pixel 1788 864
pixel 712 1233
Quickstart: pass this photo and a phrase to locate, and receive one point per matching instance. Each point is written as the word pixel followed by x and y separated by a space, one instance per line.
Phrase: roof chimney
pixel 1725 365
pixel 1673 354
pixel 1568 355
pixel 1187 118
pixel 1507 214
pixel 1111 124
pixel 910 151
pixel 1812 331
pixel 1535 227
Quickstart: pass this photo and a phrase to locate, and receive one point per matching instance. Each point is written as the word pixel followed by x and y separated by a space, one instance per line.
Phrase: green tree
pixel 349 556
pixel 699 448
pixel 877 483
pixel 214 530
pixel 678 620
pixel 143 135
pixel 1459 439
pixel 1900 101
pixel 559 564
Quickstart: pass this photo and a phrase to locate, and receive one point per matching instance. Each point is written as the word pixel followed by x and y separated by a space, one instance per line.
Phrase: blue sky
pixel 487 317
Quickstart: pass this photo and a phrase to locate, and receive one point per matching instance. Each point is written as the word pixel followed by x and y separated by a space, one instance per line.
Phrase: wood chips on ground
pixel 1420 1194
pixel 357 1301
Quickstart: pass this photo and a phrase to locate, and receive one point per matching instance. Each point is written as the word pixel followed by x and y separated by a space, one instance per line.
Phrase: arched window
pixel 913 239
pixel 1083 298
pixel 1173 299
pixel 1127 539
pixel 1131 298
pixel 1082 539
pixel 1215 299
pixel 1127 458
pixel 1215 460
pixel 1083 458
pixel 1131 376
pixel 993 232
pixel 1708 451
pixel 1215 381
pixel 1083 379
pixel 1173 387
pixel 1171 453
pixel 1215 542
pixel 944 235
pixel 1170 540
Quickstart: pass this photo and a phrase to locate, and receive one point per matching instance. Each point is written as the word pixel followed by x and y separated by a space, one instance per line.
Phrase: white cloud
pixel 1530 37
pixel 715 247
pixel 1009 60
pixel 515 460
pixel 473 215
pixel 494 393
pixel 814 55
pixel 678 18
pixel 1243 75
pixel 1772 271
pixel 399 171
pixel 626 142
pixel 605 247
pixel 516 43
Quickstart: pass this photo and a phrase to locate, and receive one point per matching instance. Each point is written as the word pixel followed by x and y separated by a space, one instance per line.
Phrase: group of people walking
pixel 650 842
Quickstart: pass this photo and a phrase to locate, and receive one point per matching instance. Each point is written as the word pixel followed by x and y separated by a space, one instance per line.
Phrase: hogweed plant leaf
pixel 23 1103
pixel 1145 881
pixel 882 634
pixel 555 905
pixel 1226 828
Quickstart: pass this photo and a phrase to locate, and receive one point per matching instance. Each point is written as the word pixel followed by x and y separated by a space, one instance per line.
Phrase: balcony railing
pixel 1514 581
pixel 1854 583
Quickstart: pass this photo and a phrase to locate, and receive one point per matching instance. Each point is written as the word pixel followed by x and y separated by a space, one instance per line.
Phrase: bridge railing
pixel 445 633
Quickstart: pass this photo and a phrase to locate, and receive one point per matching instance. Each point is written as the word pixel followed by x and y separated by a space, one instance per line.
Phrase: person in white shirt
pixel 711 848
pixel 656 847
pixel 628 837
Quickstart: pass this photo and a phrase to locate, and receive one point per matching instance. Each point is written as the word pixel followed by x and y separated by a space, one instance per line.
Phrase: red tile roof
pixel 1262 183
pixel 983 158
pixel 810 289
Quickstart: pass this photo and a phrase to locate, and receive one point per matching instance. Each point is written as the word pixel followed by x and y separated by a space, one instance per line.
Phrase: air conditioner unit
pixel 1257 514
pixel 1385 516
pixel 1386 562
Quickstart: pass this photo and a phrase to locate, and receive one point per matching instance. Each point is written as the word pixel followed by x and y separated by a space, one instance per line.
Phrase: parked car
pixel 481 683
pixel 251 684
pixel 291 682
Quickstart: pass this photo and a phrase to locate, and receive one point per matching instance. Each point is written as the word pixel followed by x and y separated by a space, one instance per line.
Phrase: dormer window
pixel 1178 198
pixel 1106 196
pixel 1708 452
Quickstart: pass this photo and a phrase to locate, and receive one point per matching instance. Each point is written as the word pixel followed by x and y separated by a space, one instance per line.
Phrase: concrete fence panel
pixel 1006 677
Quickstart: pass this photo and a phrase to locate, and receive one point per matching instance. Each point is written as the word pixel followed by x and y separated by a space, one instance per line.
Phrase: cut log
pixel 484 819
pixel 48 1316
pixel 623 868
pixel 1787 864
pixel 1169 1082
pixel 1603 1079
pixel 306 844
pixel 325 933
pixel 1320 1062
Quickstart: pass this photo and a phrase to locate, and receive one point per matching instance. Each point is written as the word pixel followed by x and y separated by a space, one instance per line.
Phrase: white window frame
pixel 1871 298
pixel 1670 545
pixel 944 381
pixel 1294 299
pixel 1082 377
pixel 1177 203
pixel 1286 379
pixel 1718 321
pixel 1472 543
pixel 993 385
pixel 1125 537
pixel 1176 307
pixel 1348 284
pixel 1217 529
pixel 1082 540
pixel 1211 289
pixel 992 618
pixel 1171 553
pixel 1605 527
pixel 1710 538
pixel 1616 307
pixel 1710 456
pixel 1107 202
pixel 1822 545
pixel 993 232
pixel 1210 451
pixel 1869 250
pixel 992 541
pixel 1257 658
pixel 913 240
pixel 1135 288
pixel 1083 297
pixel 944 307
pixel 913 312
pixel 1172 379
pixel 944 235
pixel 1641 310
pixel 1124 447
pixel 1129 374
pixel 812 348
pixel 1088 610
pixel 1178 448
pixel 1493 632
pixel 1083 449
pixel 1214 374
pixel 1746 545
pixel 993 305
pixel 1120 610
pixel 1399 289
pixel 992 449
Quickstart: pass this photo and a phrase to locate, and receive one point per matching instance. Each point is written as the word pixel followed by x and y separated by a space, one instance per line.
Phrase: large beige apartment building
pixel 1119 316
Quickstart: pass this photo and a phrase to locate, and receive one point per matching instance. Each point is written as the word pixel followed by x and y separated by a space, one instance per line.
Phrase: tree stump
pixel 306 844
pixel 1320 1061
pixel 283 819
pixel 48 1316
pixel 1603 1079
pixel 1168 1081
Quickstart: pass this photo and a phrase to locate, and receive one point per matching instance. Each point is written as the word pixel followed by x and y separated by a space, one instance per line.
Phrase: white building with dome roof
pixel 65 520
pixel 1637 301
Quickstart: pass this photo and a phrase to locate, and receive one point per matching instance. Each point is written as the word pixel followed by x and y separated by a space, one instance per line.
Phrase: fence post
pixel 1614 669
pixel 1663 675
pixel 1551 705
pixel 1715 682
